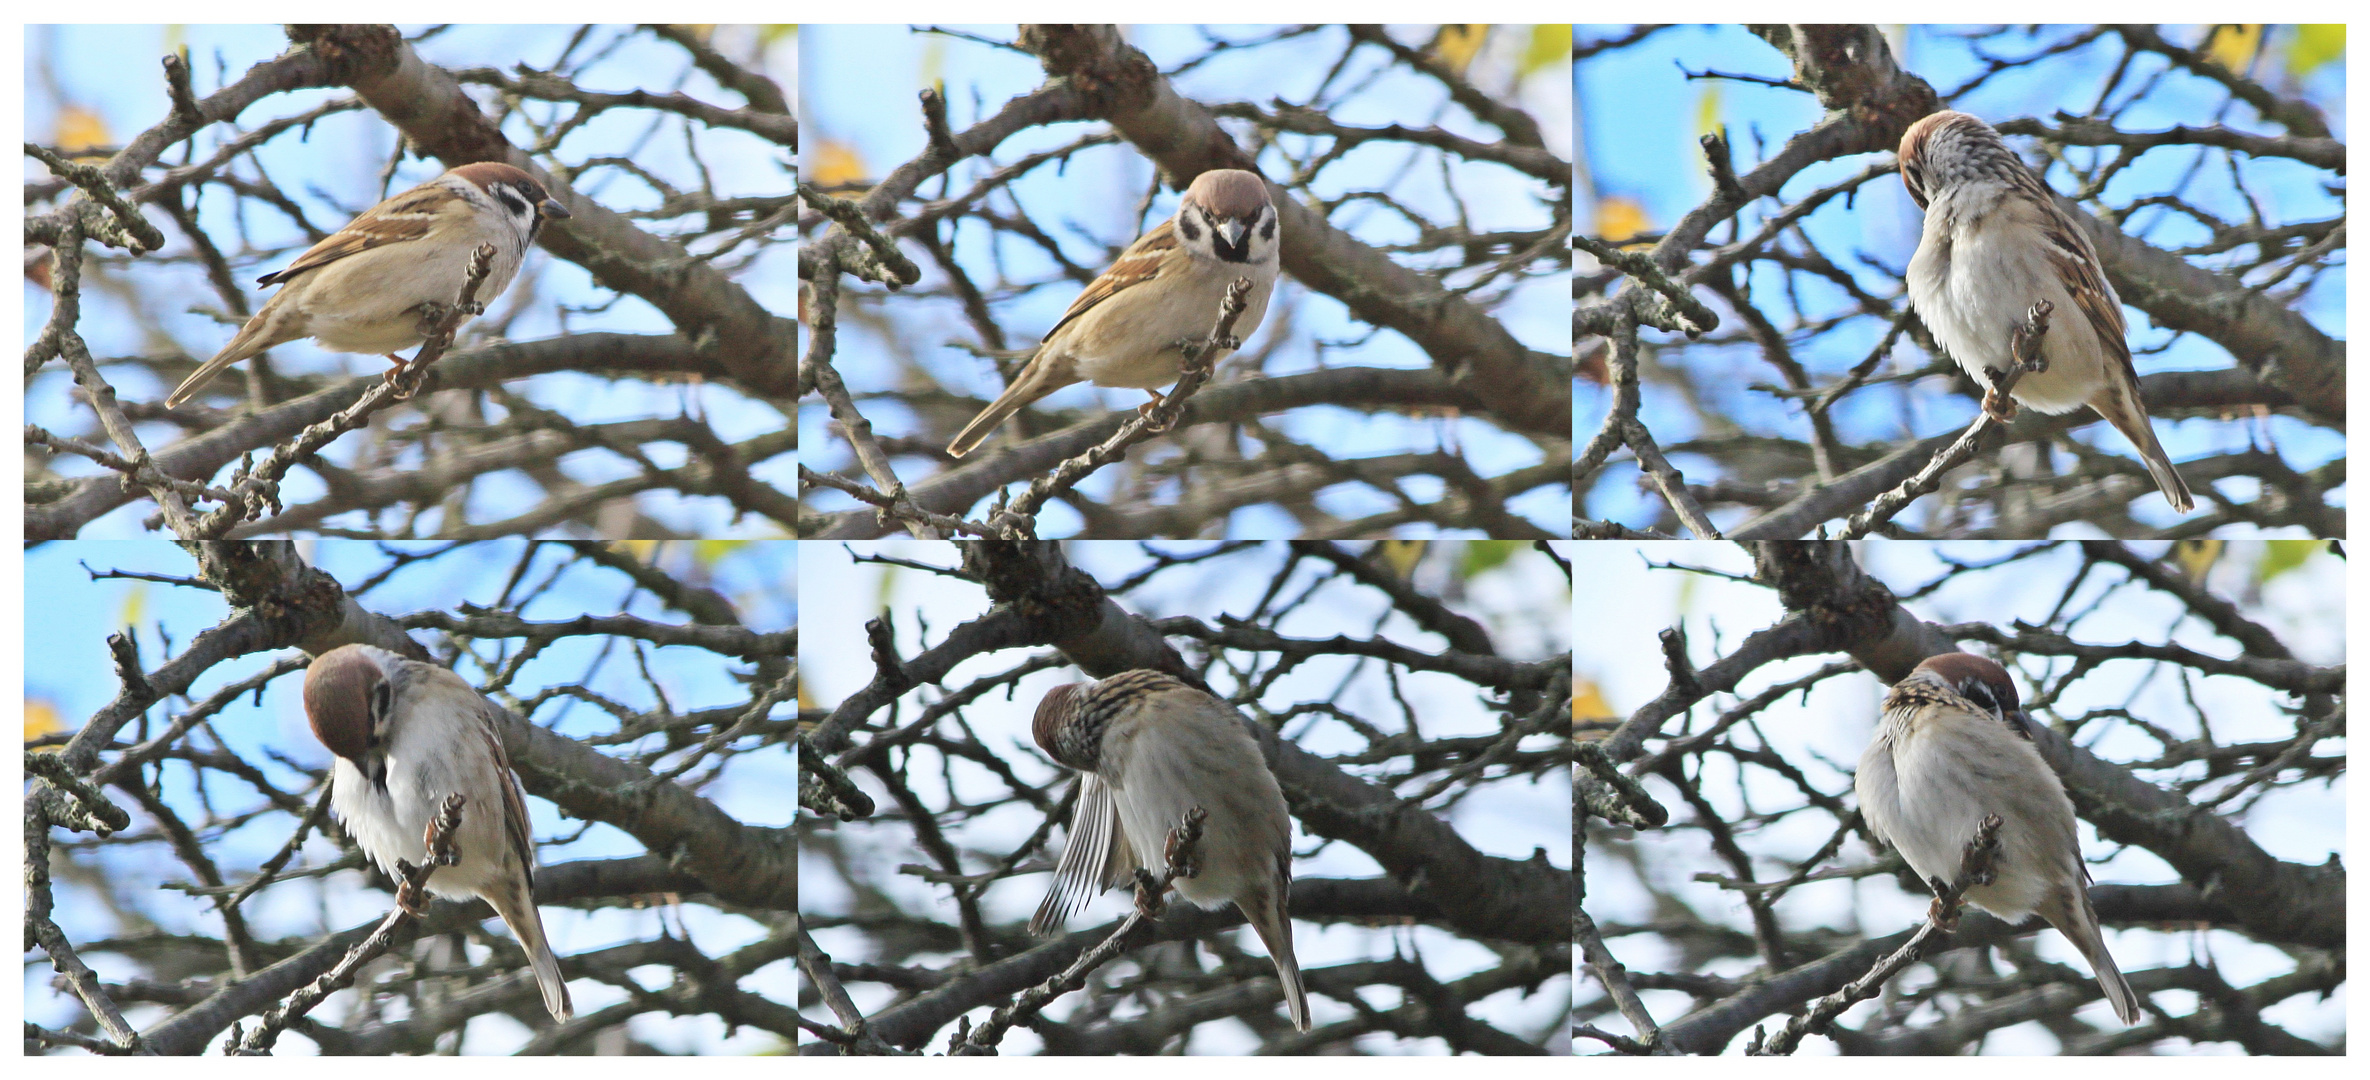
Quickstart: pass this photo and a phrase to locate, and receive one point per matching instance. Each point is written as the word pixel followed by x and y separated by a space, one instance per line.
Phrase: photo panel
pixel 1345 760
pixel 238 760
pixel 453 281
pixel 1961 798
pixel 1185 281
pixel 1851 280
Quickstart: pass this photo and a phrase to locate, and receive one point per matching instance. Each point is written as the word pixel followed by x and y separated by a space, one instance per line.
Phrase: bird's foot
pixel 1148 895
pixel 404 378
pixel 413 901
pixel 2000 407
pixel 1146 409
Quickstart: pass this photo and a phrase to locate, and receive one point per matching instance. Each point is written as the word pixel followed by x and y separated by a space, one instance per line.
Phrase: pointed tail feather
pixel 2135 426
pixel 2080 927
pixel 526 924
pixel 1273 923
pixel 1034 381
pixel 198 379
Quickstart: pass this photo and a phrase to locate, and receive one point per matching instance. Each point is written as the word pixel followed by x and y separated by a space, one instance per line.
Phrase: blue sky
pixel 333 173
pixel 860 90
pixel 68 616
pixel 1640 116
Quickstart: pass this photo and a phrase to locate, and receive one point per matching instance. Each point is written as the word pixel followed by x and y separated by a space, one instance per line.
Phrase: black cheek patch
pixel 518 207
pixel 1267 230
pixel 1186 225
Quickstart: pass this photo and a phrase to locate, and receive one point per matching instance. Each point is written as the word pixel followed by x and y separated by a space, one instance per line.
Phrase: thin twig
pixel 1998 409
pixel 1942 917
pixel 410 902
pixel 1182 840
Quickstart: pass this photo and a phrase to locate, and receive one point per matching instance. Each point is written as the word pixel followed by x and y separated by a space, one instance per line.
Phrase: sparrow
pixel 407 734
pixel 1995 244
pixel 1147 748
pixel 1129 328
pixel 370 287
pixel 1954 747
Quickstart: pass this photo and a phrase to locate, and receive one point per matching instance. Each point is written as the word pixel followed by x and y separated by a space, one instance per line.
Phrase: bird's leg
pixel 2024 347
pixel 1148 895
pixel 444 854
pixel 1145 410
pixel 411 900
pixel 1187 861
pixel 1944 914
pixel 2025 342
pixel 2000 407
pixel 399 376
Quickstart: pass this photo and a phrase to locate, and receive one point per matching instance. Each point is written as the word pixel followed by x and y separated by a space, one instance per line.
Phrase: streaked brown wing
pixel 2070 252
pixel 404 217
pixel 1138 264
pixel 515 828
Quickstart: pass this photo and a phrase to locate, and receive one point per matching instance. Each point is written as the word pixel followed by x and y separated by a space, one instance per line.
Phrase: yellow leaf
pixel 1458 43
pixel 77 128
pixel 135 605
pixel 2281 556
pixel 932 71
pixel 1551 47
pixel 1485 555
pixel 41 718
pixel 832 164
pixel 2196 558
pixel 1588 701
pixel 2232 45
pixel 2313 45
pixel 1402 555
pixel 707 553
pixel 1619 217
pixel 1707 108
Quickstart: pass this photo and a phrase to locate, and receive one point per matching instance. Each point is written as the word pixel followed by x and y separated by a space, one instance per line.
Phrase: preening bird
pixel 1147 748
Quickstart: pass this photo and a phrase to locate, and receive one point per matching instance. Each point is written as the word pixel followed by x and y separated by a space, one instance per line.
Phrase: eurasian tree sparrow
pixel 1995 243
pixel 1952 749
pixel 407 734
pixel 367 287
pixel 1129 327
pixel 1147 749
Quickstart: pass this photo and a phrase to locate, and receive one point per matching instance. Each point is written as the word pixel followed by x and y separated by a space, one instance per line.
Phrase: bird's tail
pixel 1032 383
pixel 526 924
pixel 2080 926
pixel 2134 425
pixel 205 373
pixel 1271 920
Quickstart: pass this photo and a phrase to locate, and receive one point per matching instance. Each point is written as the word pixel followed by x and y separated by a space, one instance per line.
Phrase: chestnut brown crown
pixel 345 698
pixel 1978 680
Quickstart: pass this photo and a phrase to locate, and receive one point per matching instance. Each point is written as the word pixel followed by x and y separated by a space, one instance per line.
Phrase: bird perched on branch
pixel 1147 749
pixel 1132 324
pixel 1954 748
pixel 407 734
pixel 1995 244
pixel 371 286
